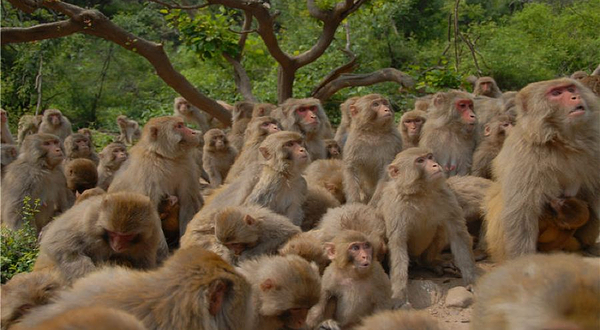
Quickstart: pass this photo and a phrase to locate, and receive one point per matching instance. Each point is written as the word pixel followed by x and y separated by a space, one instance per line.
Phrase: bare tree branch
pixel 94 23
pixel 179 6
pixel 53 30
pixel 351 80
pixel 242 81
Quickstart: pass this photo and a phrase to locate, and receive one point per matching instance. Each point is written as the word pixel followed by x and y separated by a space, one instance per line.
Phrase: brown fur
pixel 242 113
pixel 28 125
pixel 218 156
pixel 5 136
pixel 89 193
pixel 327 173
pixel 494 134
pixel 309 248
pixel 547 154
pixel 59 126
pixel 491 90
pixel 168 211
pixel 334 151
pixel 372 130
pixel 318 201
pixel 262 109
pixel 422 214
pixel 470 193
pixel 558 223
pixel 92 318
pixel 9 153
pixel 81 174
pixel 417 117
pixel 539 292
pixel 162 164
pixel 111 159
pixel 593 83
pixel 400 320
pixel 129 130
pixel 341 134
pixel 184 109
pixel 74 148
pixel 201 289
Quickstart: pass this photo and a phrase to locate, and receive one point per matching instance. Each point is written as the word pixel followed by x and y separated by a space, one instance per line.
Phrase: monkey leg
pixel 559 240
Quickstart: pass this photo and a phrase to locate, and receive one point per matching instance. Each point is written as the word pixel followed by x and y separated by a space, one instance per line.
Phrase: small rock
pixel 423 293
pixel 459 297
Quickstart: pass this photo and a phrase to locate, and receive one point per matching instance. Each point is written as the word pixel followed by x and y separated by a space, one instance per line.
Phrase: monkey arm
pixel 191 201
pixel 460 243
pixel 325 309
pixel 397 243
pixel 351 184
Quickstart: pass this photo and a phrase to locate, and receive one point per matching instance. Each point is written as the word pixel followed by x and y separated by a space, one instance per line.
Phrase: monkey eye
pixel 180 125
pixel 302 109
pixel 556 92
pixel 420 160
pixel 430 156
pixel 376 103
pixel 354 247
pixel 367 245
pixel 289 144
pixel 572 89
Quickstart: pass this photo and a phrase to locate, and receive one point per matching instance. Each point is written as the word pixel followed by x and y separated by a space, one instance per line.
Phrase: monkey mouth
pixel 577 111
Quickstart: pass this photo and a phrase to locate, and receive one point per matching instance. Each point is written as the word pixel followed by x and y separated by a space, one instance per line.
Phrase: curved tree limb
pixel 53 30
pixel 350 80
pixel 93 22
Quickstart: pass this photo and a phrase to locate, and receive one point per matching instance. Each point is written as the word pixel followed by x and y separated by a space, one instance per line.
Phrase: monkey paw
pixel 329 325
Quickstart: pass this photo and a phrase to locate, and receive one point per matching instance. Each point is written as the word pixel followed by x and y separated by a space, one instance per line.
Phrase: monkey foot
pixel 329 325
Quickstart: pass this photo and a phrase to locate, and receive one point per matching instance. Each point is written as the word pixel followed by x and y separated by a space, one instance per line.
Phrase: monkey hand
pixel 329 325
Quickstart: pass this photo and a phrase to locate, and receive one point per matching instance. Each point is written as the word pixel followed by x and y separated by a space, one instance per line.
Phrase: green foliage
pixel 431 81
pixel 19 248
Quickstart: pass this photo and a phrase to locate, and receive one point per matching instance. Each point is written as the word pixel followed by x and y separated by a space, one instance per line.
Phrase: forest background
pixel 439 43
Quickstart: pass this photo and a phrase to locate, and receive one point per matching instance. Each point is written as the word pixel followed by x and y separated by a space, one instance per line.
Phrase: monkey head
pixel 181 106
pixel 242 109
pixel 77 145
pixel 415 169
pixel 307 115
pixel 44 148
pixel 333 149
pixel 263 126
pixel 352 251
pixel 81 174
pixel 285 152
pixel 486 86
pixel 53 117
pixel 216 140
pixel 499 127
pixel 262 109
pixel 455 106
pixel 114 154
pixel 235 229
pixel 412 122
pixel 168 136
pixel 372 111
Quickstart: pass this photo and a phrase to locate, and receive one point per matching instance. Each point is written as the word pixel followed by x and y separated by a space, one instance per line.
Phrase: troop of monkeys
pixel 306 229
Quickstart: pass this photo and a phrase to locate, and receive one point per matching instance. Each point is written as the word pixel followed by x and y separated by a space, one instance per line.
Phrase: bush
pixel 20 247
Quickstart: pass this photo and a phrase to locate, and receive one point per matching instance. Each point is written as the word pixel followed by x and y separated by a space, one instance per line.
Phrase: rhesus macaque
pixel 318 201
pixel 494 134
pixel 121 228
pixel 410 127
pixel 470 193
pixel 5 136
pixel 79 146
pixel 487 86
pixel 450 132
pixel 284 288
pixel 81 174
pixel 593 83
pixel 307 117
pixel 354 284
pixel 111 159
pixel 578 75
pixel 275 182
pixel 341 134
pixel 421 215
pixel 217 157
pixel 251 231
pixel 89 193
pixel 88 133
pixel 557 291
pixel 327 173
pixel 91 318
pixel 9 152
pixel 129 130
pixel 372 142
pixel 201 289
pixel 309 248
pixel 262 109
pixel 201 233
pixel 36 173
pixel 26 291
pixel 28 125
pixel 241 115
pixel 399 320
pixel 423 103
pixel 561 217
pixel 168 212
pixel 162 163
pixel 596 71
pixel 334 151
pixel 256 132
pixel 191 114
pixel 53 122
pixel 552 151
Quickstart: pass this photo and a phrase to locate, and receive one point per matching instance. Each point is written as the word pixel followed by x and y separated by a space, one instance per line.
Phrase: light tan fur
pixel 184 109
pixel 490 89
pixel 341 134
pixel 241 115
pixel 217 156
pixel 53 122
pixel 410 140
pixel 111 159
pixel 92 318
pixel 129 130
pixel 400 320
pixel 327 173
pixel 28 124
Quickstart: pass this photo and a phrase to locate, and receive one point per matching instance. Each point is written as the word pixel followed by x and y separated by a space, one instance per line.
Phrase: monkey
pixel 121 228
pixel 318 201
pixel 256 132
pixel 204 291
pixel 593 83
pixel 201 233
pixel 487 86
pixel 92 318
pixel 327 173
pixel 399 320
pixel 341 134
pixel 307 117
pixel 9 152
pixel 81 174
pixel 162 163
pixel 410 127
pixel 111 159
pixel 495 133
pixel 372 129
pixel 218 156
pixel 309 248
pixel 578 75
pixel 550 152
pixel 421 214
pixel 560 219
pixel 262 109
pixel 449 131
pixel 334 151
pixel 470 193
pixel 284 288
pixel 275 182
pixel 558 291
pixel 168 212
pixel 423 103
pixel 53 122
pixel 251 231
pixel 37 173
pixel 241 115
pixel 129 130
pixel 354 285
pixel 5 136
pixel 596 71
pixel 88 133
pixel 184 109
pixel 28 125
pixel 79 146
pixel 26 291
pixel 89 193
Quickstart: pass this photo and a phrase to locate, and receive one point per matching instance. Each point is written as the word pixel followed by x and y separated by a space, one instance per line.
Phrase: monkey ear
pixel 265 153
pixel 77 194
pixel 249 220
pixel 153 133
pixel 330 249
pixel 267 285
pixel 438 99
pixel 353 110
pixel 487 130
pixel 393 171
pixel 330 186
pixel 216 294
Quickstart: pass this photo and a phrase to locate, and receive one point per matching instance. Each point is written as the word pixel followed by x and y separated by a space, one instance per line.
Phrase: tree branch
pixel 351 80
pixel 53 30
pixel 178 6
pixel 242 81
pixel 94 23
